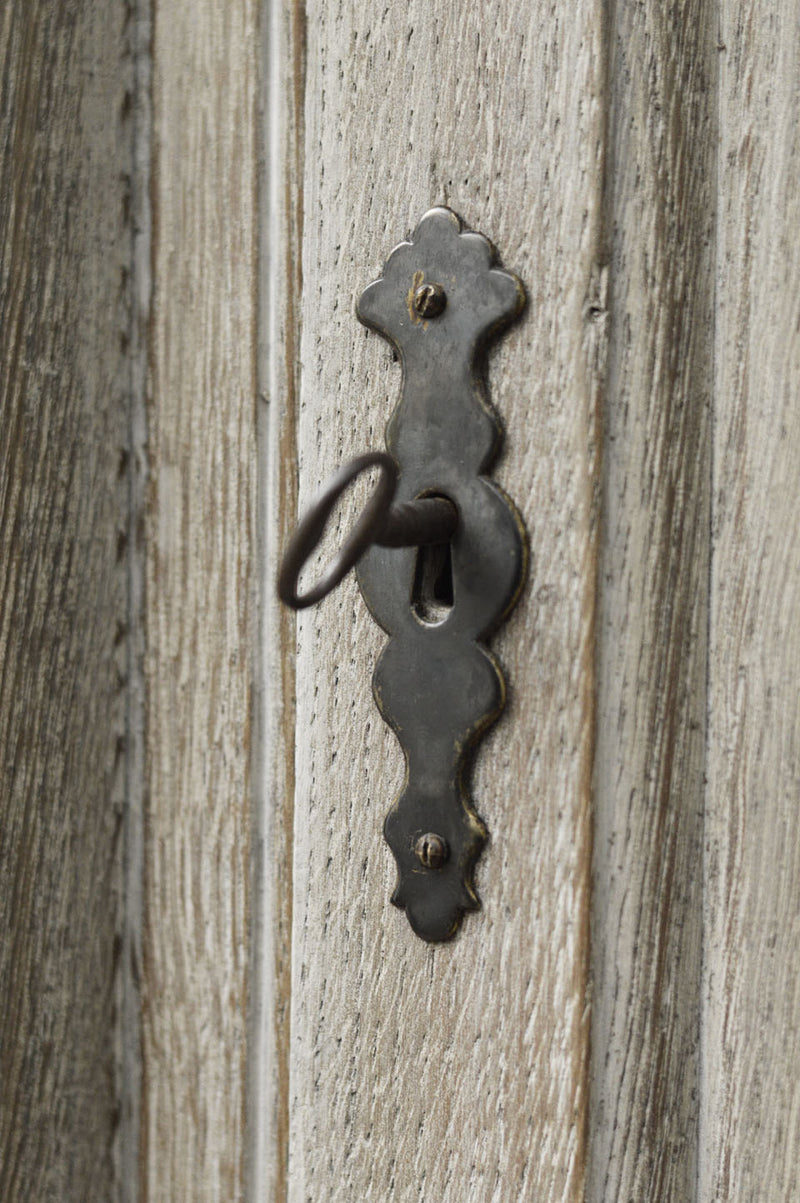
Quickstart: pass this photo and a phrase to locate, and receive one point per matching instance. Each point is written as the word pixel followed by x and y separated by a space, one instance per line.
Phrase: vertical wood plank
pixel 456 1072
pixel 199 617
pixel 751 1028
pixel 653 605
pixel 65 312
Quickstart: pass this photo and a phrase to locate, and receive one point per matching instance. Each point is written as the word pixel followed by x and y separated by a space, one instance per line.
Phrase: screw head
pixel 431 850
pixel 430 300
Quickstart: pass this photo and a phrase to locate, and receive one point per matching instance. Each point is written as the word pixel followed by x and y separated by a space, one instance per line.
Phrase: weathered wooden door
pixel 207 994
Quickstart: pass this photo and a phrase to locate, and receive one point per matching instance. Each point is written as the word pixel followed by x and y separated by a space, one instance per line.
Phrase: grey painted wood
pixel 379 1068
pixel 65 318
pixel 653 604
pixel 455 1072
pixel 200 624
pixel 751 1018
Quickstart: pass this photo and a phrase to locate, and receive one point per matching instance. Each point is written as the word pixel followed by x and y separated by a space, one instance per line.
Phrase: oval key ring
pixel 311 526
pixel 407 524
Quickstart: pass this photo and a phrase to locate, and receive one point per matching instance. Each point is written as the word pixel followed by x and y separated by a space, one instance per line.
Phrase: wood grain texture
pixel 653 605
pixel 455 1072
pixel 65 165
pixel 199 618
pixel 751 1019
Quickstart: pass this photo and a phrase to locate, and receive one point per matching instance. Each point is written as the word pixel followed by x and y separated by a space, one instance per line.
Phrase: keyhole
pixel 432 591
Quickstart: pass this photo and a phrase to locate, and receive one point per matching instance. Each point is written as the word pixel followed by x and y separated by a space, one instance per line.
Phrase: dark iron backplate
pixel 439 302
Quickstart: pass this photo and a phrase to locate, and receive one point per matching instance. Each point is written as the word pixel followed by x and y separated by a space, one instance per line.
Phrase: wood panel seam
pixel 129 1012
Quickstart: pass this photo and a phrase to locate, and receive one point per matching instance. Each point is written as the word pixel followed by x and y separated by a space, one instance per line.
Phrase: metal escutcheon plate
pixel 440 300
